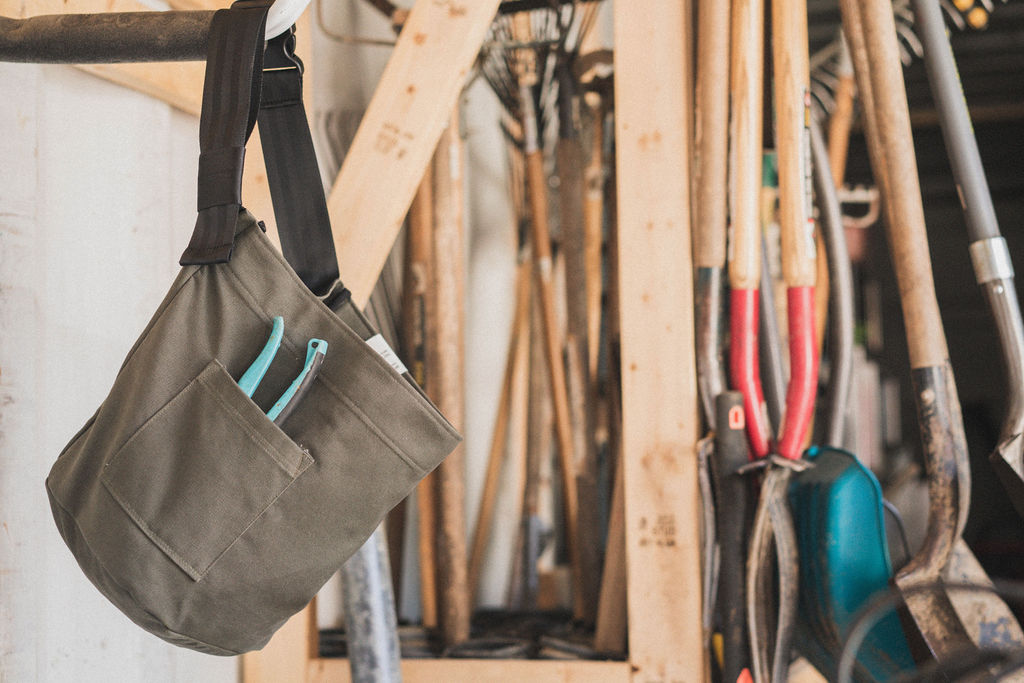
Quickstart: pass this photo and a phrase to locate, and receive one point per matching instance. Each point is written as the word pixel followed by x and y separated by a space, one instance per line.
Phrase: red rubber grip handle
pixel 744 367
pixel 803 372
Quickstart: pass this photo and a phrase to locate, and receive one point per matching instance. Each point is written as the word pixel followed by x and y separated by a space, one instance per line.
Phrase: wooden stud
pixel 286 657
pixel 653 42
pixel 475 670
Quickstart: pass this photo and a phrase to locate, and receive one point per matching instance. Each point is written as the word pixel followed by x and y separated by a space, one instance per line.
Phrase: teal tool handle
pixel 315 352
pixel 254 375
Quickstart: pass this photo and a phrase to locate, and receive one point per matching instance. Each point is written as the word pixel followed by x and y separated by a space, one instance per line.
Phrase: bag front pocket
pixel 199 472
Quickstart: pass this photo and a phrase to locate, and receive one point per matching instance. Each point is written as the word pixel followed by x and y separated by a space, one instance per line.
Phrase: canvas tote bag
pixel 194 513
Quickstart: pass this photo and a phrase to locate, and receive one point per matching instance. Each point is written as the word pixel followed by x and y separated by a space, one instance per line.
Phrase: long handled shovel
pixel 871 32
pixel 709 247
pixel 709 234
pixel 989 254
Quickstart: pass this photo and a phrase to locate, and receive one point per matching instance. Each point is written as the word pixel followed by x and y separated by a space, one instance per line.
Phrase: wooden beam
pixel 286 658
pixel 659 385
pixel 400 131
pixel 474 670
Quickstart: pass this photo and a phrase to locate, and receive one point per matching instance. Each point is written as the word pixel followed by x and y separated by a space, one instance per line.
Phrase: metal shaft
pixel 956 122
pixel 370 622
pixel 841 276
pixel 106 38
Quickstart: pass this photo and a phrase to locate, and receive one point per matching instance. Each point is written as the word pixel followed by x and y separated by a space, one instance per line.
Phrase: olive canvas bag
pixel 199 517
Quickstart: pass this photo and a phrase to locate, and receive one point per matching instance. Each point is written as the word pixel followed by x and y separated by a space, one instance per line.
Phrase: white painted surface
pixel 97 196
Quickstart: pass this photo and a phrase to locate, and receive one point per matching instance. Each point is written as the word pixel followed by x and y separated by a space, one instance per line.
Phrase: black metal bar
pixel 514 6
pixel 106 38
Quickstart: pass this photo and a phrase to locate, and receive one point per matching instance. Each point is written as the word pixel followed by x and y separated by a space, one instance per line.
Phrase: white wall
pixel 97 197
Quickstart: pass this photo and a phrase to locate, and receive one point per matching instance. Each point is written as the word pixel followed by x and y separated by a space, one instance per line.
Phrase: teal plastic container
pixel 844 563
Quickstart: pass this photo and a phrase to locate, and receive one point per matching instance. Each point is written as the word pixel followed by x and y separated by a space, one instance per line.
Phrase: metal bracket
pixel 991 260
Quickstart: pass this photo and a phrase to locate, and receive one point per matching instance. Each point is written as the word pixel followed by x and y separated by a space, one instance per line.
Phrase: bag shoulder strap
pixel 296 188
pixel 231 100
pixel 244 83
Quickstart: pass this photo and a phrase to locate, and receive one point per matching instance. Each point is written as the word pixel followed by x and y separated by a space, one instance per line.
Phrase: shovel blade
pixel 1008 462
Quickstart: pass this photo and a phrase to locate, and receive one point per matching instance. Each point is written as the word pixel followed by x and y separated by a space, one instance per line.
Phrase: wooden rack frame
pixel 409 110
pixel 653 44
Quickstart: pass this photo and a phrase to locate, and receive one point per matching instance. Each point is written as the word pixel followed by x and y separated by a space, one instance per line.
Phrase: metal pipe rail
pixel 113 37
pixel 107 38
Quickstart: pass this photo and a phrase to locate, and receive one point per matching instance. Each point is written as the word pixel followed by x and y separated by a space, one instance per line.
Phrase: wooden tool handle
pixel 745 84
pixel 839 126
pixel 902 192
pixel 593 224
pixel 792 133
pixel 712 132
pixel 541 236
pixel 799 251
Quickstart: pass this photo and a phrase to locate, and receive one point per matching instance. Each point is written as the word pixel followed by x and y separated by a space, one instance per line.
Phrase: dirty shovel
pixel 941 628
pixel 989 254
pixel 709 247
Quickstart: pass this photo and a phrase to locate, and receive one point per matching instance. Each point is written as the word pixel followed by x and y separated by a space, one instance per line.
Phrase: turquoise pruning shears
pixel 316 350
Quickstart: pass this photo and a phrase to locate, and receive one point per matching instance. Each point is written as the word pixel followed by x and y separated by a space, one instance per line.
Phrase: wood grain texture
pixel 579 384
pixel 399 132
pixel 907 234
pixel 791 81
pixel 659 386
pixel 447 368
pixel 476 670
pixel 839 126
pixel 746 88
pixel 286 657
pixel 593 224
pixel 553 341
pixel 711 134
pixel 416 311
pixel 610 632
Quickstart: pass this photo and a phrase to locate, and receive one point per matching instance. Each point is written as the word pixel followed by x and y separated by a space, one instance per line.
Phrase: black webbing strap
pixel 295 186
pixel 231 100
